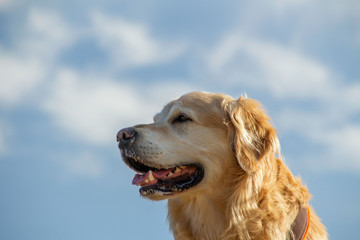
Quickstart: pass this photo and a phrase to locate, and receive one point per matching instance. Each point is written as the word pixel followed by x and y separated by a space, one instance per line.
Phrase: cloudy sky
pixel 72 73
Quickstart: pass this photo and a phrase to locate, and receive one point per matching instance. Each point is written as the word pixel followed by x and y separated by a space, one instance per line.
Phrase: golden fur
pixel 247 191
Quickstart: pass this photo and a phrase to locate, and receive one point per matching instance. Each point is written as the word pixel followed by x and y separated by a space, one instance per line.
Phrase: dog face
pixel 193 143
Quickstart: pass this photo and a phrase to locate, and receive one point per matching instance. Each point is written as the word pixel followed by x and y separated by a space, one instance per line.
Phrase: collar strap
pixel 301 224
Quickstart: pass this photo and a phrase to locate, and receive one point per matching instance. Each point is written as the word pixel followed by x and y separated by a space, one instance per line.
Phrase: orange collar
pixel 301 224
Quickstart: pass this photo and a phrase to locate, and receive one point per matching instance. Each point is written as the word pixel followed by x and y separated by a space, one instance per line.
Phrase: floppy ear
pixel 250 133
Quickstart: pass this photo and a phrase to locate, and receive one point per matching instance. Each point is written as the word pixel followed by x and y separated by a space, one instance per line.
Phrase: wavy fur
pixel 247 192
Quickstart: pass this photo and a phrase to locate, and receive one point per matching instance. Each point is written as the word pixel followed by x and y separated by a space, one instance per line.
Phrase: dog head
pixel 193 143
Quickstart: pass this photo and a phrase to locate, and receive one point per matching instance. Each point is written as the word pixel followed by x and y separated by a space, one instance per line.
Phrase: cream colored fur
pixel 247 191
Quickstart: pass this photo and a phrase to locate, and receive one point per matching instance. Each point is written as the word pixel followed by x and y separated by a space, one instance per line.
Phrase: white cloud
pixel 132 44
pixel 47 34
pixel 93 111
pixel 89 109
pixel 18 77
pixel 340 149
pixel 344 147
pixel 289 75
pixel 283 5
pixel 268 66
pixel 328 127
pixel 5 4
pixel 24 67
pixel 349 97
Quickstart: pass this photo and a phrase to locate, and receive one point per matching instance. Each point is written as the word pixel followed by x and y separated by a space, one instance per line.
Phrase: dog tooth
pixel 170 174
pixel 177 170
pixel 151 176
pixel 182 167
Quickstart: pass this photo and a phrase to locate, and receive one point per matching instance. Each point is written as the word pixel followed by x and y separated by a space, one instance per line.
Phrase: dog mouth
pixel 164 181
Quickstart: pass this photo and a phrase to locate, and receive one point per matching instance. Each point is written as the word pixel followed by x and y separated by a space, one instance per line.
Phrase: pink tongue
pixel 158 174
pixel 138 179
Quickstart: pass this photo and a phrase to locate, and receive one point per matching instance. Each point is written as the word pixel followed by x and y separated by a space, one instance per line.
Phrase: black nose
pixel 126 134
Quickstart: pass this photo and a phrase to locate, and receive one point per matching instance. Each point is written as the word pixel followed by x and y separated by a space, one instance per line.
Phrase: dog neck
pixel 233 211
pixel 197 217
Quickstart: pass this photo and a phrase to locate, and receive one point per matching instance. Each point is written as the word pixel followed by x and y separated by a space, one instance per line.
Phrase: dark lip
pixel 136 165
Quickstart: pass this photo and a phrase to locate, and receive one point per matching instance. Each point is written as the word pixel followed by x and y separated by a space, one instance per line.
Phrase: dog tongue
pixel 150 177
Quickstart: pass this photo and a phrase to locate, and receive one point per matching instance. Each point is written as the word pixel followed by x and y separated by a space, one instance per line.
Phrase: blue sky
pixel 72 73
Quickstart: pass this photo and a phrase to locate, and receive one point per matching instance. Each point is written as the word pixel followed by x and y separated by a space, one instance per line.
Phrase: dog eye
pixel 181 118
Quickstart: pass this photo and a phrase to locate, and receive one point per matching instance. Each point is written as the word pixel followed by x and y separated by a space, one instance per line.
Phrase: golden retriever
pixel 217 161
